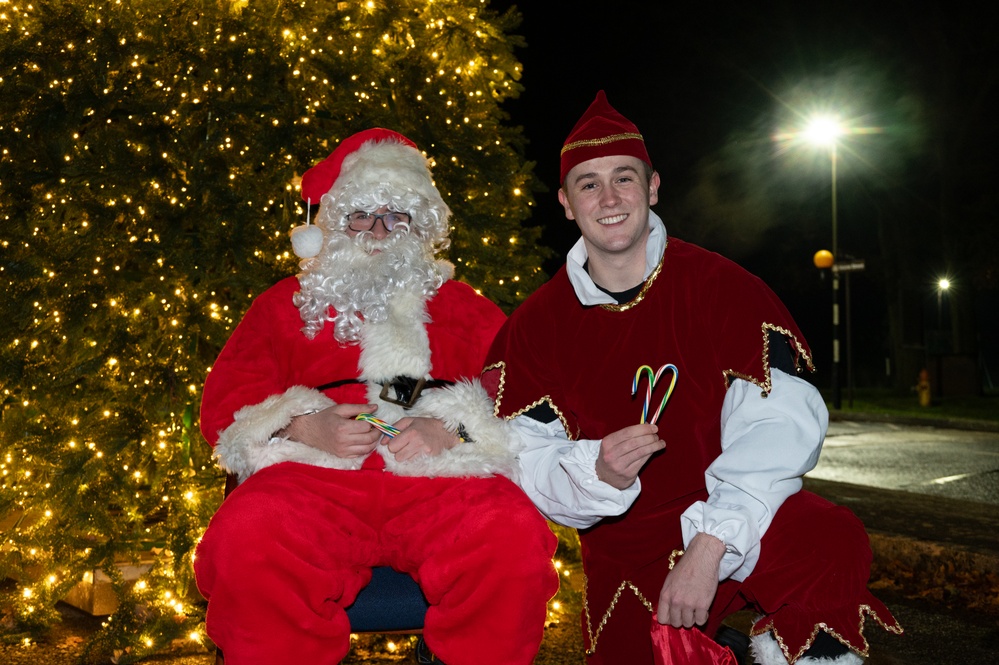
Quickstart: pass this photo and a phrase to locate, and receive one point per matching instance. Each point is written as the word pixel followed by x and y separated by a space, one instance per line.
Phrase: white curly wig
pixel 375 168
pixel 367 171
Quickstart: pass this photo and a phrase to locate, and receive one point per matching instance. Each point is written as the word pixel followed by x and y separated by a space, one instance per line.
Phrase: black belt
pixel 407 388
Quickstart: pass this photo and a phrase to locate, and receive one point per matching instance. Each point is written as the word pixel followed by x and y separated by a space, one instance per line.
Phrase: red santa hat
pixel 601 132
pixel 320 178
pixel 373 168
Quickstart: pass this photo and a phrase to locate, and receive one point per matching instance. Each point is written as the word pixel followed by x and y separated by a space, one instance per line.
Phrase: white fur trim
pixel 377 162
pixel 398 346
pixel 766 651
pixel 446 269
pixel 249 444
pixel 493 445
pixel 848 658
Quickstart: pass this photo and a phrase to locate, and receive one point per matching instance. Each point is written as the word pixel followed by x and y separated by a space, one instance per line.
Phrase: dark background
pixel 710 86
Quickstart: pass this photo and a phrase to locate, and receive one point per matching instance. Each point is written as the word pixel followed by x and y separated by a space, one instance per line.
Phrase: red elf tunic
pixel 713 321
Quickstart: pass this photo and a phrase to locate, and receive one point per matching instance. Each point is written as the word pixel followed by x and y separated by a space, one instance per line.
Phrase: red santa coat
pixel 267 353
pixel 307 537
pixel 269 372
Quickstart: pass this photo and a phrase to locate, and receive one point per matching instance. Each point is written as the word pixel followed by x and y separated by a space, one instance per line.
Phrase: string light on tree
pixel 146 201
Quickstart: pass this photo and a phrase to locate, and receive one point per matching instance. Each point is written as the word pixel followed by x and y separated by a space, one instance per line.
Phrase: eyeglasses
pixel 365 221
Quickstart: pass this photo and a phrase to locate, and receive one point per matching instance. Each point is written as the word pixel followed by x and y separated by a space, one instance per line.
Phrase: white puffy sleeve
pixel 560 476
pixel 768 444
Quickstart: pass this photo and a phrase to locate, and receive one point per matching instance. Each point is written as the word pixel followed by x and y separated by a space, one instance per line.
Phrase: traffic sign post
pixel 846 267
pixel 853 265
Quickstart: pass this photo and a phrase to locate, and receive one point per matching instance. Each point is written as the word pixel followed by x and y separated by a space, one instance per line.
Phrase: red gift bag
pixel 687 646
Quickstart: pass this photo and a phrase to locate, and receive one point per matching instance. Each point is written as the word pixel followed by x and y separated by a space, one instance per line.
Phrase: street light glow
pixel 943 284
pixel 823 130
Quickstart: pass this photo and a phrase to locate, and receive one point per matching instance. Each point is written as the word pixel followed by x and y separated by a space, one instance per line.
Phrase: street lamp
pixel 825 131
pixel 943 343
pixel 942 285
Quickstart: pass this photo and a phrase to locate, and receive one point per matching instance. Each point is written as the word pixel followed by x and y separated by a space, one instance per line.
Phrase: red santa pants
pixel 293 545
pixel 814 565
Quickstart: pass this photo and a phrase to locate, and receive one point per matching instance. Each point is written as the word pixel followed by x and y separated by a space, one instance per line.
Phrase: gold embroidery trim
pixel 610 608
pixel 862 649
pixel 501 366
pixel 862 610
pixel 588 143
pixel 767 384
pixel 645 287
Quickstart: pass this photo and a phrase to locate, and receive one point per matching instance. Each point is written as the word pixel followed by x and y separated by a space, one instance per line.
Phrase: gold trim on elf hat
pixel 601 132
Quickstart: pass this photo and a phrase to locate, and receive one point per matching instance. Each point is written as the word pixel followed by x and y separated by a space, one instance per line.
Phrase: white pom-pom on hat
pixel 306 241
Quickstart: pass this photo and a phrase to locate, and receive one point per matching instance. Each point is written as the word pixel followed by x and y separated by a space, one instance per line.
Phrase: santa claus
pixel 347 402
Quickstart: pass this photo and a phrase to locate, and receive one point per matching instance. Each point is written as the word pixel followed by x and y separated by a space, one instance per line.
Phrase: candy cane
pixel 648 389
pixel 669 391
pixel 378 424
pixel 653 378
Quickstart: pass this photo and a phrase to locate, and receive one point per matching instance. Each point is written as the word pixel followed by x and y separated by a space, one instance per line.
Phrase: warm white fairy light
pixel 180 92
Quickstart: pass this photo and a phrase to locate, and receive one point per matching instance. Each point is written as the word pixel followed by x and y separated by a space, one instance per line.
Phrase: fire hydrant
pixel 923 388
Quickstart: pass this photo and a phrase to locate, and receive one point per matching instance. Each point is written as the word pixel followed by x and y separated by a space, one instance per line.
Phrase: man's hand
pixel 420 436
pixel 335 430
pixel 691 586
pixel 624 453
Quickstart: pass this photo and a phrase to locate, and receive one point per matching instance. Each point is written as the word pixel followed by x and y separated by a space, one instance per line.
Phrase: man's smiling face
pixel 609 199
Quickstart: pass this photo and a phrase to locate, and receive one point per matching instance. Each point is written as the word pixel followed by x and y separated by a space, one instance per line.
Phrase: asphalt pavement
pixel 936 565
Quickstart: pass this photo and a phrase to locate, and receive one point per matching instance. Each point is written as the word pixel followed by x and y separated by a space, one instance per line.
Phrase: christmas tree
pixel 150 156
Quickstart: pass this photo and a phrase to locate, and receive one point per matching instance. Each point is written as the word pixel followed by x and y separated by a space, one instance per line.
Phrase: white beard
pixel 355 284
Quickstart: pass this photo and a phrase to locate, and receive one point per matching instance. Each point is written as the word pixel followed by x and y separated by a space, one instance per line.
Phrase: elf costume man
pixel 347 404
pixel 689 507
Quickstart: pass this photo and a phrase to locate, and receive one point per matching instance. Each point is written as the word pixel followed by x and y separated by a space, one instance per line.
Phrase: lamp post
pixel 943 284
pixel 943 343
pixel 824 131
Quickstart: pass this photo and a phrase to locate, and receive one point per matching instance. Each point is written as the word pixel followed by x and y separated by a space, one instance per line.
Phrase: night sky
pixel 709 86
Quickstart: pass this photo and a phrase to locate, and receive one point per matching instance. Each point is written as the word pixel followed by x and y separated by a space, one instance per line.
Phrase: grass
pixel 886 402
